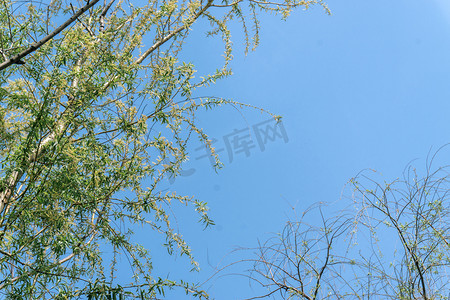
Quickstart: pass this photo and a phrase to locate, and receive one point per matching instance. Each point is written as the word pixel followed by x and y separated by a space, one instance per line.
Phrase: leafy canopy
pixel 96 104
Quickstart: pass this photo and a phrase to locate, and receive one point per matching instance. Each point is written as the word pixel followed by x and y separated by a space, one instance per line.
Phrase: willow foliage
pixel 95 100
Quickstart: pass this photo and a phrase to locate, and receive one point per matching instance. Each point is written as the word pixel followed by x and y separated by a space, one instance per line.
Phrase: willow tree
pixel 94 101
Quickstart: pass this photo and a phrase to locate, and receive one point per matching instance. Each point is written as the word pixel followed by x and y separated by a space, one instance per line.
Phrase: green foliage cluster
pixel 94 101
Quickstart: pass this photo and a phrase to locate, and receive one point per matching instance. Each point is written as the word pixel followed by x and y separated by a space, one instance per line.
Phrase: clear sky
pixel 367 87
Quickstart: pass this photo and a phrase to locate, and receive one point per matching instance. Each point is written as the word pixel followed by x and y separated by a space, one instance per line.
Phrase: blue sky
pixel 367 87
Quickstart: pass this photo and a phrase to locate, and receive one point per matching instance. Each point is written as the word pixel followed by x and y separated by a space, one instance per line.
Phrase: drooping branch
pixel 173 33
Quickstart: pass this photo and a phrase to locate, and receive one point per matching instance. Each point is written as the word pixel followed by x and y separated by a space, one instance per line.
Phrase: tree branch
pixel 33 47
